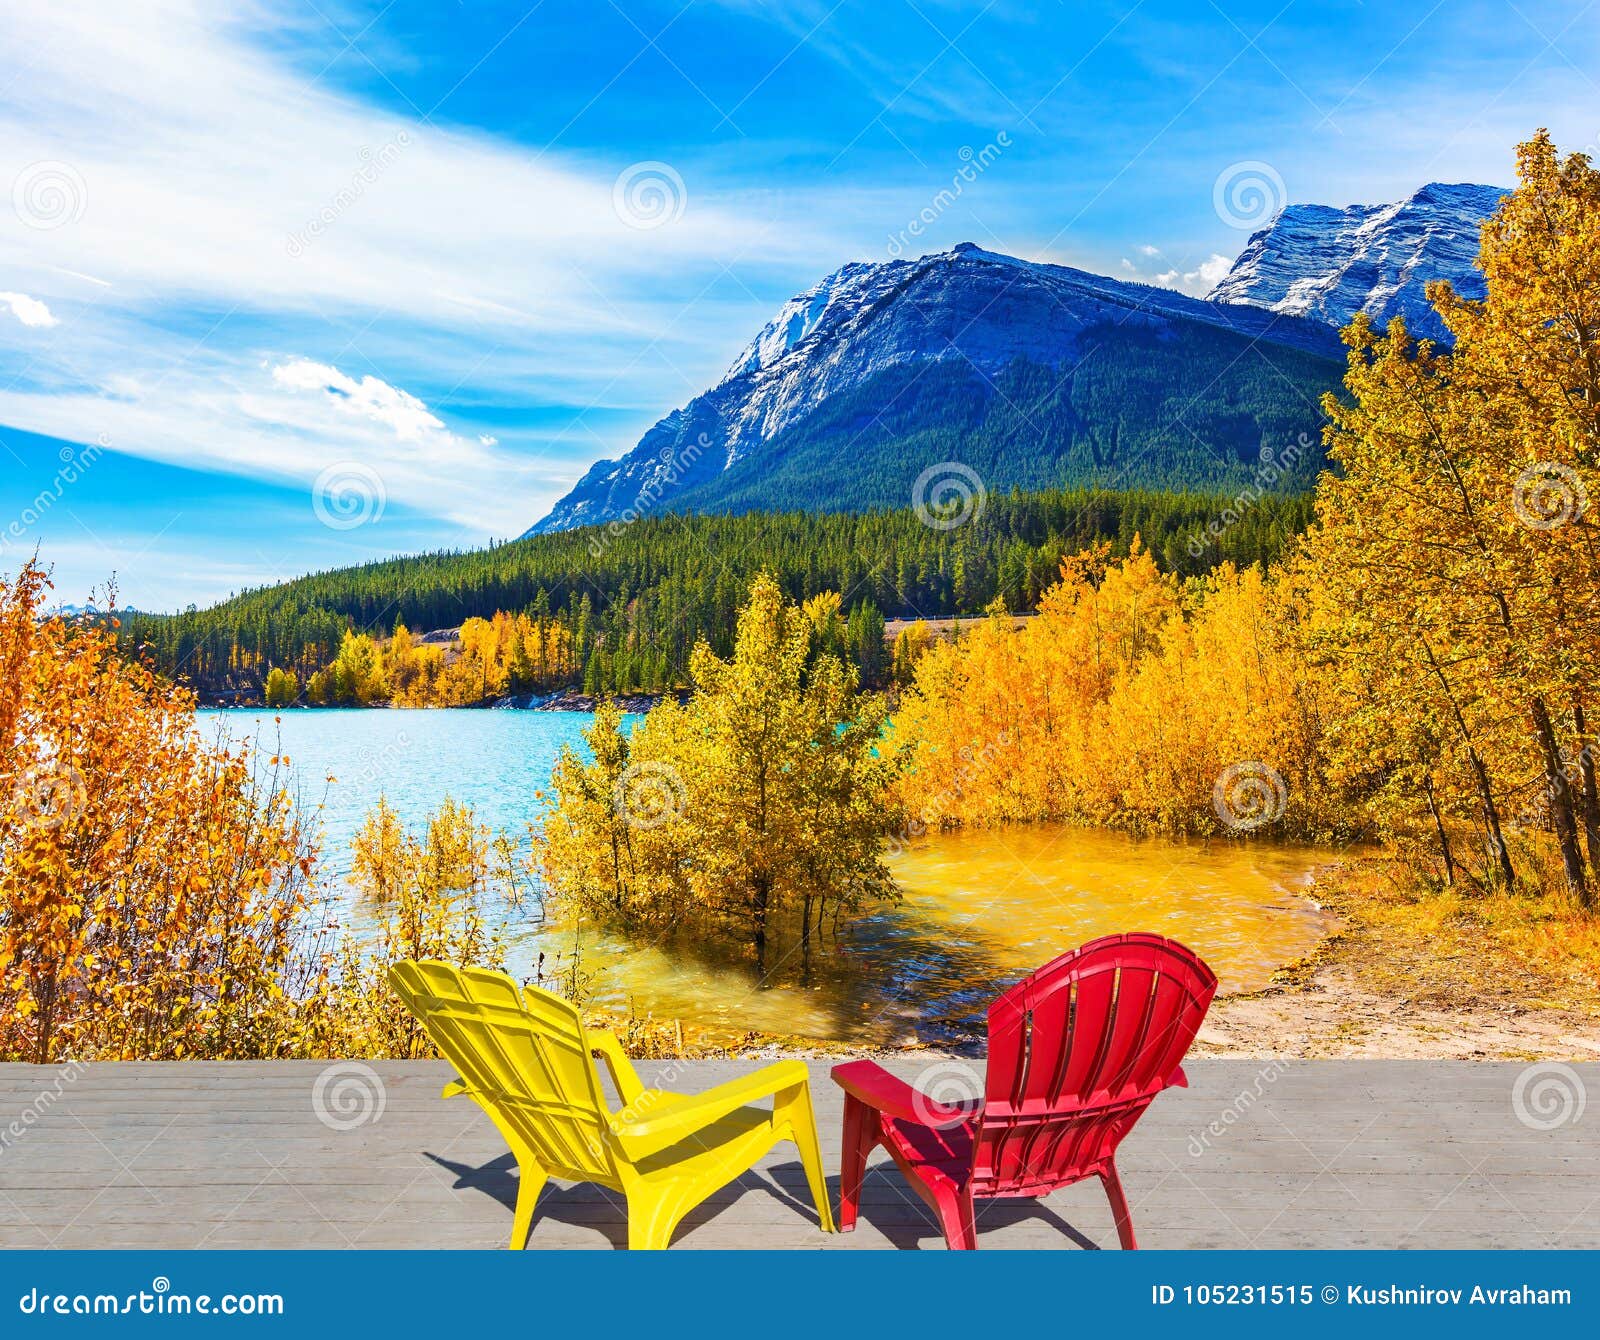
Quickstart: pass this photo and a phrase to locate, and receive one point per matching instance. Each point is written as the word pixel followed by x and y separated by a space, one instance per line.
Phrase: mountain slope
pixel 1329 264
pixel 1032 375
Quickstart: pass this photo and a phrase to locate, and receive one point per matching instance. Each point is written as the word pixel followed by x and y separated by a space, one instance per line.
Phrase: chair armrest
pixel 623 1075
pixel 868 1082
pixel 657 1120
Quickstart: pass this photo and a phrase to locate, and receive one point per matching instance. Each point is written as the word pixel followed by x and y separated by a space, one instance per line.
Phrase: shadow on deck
pixel 1319 1154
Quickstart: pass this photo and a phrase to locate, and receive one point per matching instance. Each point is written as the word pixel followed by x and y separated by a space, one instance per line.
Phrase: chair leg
pixel 957 1220
pixel 1119 1207
pixel 530 1182
pixel 651 1222
pixel 860 1135
pixel 795 1111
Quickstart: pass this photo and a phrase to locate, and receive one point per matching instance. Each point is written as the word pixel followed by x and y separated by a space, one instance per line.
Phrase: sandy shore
pixel 1336 1014
pixel 1388 984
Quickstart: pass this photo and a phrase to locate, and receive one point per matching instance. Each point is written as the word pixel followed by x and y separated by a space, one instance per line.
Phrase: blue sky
pixel 291 285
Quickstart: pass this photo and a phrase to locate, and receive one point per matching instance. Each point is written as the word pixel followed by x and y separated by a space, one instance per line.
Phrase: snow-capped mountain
pixel 1329 264
pixel 819 408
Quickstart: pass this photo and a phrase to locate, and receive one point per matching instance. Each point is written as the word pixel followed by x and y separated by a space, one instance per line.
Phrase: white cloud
pixel 29 311
pixel 1148 250
pixel 1198 281
pixel 289 428
pixel 370 398
pixel 1208 274
pixel 488 440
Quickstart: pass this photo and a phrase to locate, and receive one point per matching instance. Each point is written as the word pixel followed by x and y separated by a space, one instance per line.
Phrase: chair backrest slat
pixel 522 1052
pixel 1077 1051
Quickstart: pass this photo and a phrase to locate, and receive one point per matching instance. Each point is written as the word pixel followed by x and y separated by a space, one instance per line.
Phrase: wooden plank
pixel 1299 1154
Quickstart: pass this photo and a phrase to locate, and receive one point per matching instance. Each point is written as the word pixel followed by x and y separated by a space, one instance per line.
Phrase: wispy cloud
pixel 235 239
pixel 201 162
pixel 174 176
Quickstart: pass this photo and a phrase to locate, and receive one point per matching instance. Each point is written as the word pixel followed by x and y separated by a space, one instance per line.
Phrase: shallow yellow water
pixel 980 910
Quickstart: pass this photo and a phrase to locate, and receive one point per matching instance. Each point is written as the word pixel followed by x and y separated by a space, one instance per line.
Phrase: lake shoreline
pixel 1377 988
pixel 1369 990
pixel 1379 969
pixel 559 700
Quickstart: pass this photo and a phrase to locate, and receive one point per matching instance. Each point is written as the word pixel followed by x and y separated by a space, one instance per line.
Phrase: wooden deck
pixel 1298 1154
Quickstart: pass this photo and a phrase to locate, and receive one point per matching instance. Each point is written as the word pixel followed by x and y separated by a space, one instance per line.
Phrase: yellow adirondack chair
pixel 525 1057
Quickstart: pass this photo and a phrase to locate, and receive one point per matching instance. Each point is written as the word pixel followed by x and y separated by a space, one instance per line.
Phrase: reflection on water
pixel 980 909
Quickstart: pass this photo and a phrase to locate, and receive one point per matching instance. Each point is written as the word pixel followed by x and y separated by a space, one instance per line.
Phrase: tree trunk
pixel 761 901
pixel 1591 796
pixel 1444 840
pixel 47 1017
pixel 1480 773
pixel 1491 820
pixel 805 941
pixel 1559 795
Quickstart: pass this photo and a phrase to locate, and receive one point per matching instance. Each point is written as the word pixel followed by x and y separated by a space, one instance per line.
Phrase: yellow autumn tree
pixel 759 803
pixel 282 688
pixel 510 653
pixel 909 644
pixel 1454 559
pixel 609 846
pixel 1130 700
pixel 153 885
pixel 997 726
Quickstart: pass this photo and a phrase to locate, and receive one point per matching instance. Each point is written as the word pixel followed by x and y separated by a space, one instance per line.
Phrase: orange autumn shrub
pixel 153 885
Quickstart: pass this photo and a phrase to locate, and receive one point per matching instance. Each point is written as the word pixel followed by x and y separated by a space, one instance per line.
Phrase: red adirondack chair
pixel 1077 1052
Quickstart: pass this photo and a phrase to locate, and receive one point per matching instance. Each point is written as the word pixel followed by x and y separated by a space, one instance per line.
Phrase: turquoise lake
pixel 977 909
